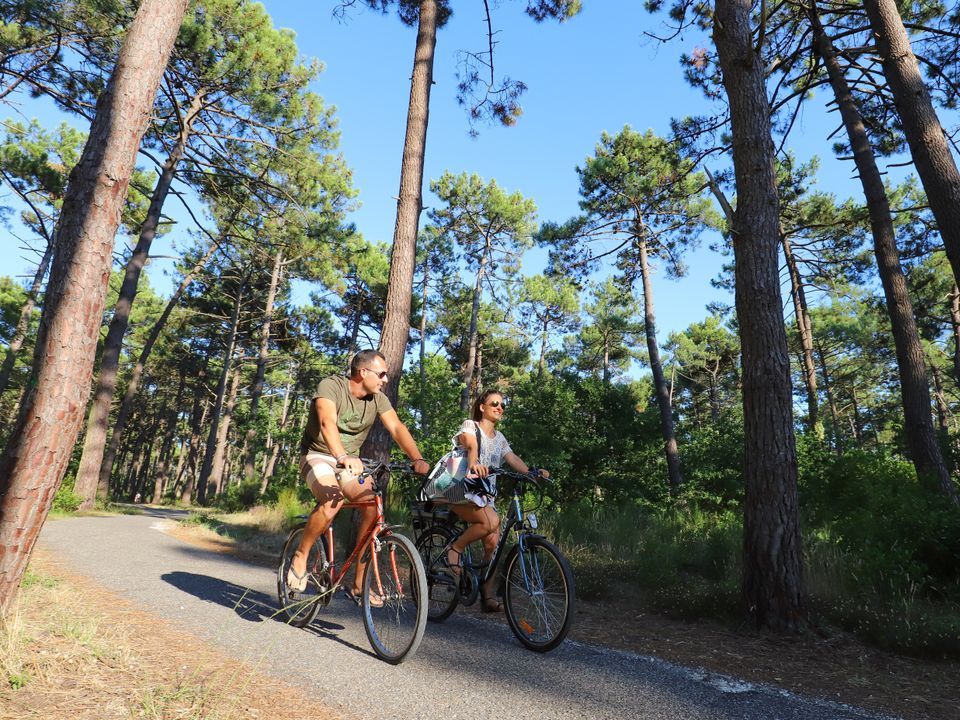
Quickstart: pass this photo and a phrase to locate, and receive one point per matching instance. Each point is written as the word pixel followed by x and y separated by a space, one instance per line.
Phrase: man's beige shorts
pixel 320 469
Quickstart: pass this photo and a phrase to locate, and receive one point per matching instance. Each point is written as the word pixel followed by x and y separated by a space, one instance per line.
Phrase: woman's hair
pixel 477 415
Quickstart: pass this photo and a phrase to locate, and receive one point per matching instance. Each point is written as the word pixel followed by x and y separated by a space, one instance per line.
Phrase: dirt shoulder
pixel 838 668
pixel 73 650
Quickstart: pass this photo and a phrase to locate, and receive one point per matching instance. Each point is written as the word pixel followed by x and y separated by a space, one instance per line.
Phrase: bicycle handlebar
pixel 371 466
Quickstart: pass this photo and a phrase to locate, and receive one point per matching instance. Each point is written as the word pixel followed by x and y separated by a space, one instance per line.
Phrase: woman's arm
pixel 468 440
pixel 514 461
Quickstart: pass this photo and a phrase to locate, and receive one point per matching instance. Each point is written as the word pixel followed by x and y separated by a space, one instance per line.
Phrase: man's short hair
pixel 363 359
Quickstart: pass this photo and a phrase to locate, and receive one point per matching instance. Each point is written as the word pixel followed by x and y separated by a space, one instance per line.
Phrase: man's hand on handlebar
pixel 420 466
pixel 353 464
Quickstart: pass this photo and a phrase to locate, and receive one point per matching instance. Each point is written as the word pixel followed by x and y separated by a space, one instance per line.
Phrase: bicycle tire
pixel 538 596
pixel 395 628
pixel 300 608
pixel 443 595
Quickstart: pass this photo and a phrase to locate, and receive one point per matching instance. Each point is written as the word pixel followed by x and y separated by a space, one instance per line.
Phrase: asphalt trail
pixel 465 668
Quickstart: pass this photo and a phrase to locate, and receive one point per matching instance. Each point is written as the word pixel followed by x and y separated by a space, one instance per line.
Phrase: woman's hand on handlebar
pixel 479 470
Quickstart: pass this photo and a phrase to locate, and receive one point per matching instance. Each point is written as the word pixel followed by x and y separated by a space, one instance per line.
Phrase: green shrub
pixel 66 501
pixel 238 497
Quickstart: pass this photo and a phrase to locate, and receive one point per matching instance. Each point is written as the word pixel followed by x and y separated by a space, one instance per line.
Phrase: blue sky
pixel 595 72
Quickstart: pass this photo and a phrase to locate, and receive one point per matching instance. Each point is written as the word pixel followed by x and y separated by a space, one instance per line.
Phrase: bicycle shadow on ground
pixel 251 605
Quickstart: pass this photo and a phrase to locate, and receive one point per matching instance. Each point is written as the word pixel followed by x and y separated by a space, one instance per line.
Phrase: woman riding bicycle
pixel 478 511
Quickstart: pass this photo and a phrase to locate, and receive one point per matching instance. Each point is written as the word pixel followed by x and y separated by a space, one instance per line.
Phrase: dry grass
pixel 71 650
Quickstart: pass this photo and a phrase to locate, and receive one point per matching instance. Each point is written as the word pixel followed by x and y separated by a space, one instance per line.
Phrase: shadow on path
pixel 249 604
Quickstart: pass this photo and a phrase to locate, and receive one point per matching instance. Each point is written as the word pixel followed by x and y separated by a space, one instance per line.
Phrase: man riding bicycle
pixel 342 411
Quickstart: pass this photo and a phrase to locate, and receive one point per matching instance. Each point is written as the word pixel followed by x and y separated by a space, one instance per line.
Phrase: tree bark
pixel 804 335
pixel 264 353
pixel 211 448
pixel 396 321
pixel 474 325
pixel 218 469
pixel 199 418
pixel 126 405
pixel 424 425
pixel 831 401
pixel 772 573
pixel 88 474
pixel 921 126
pixel 272 462
pixel 955 323
pixel 915 391
pixel 49 420
pixel 656 367
pixel 23 323
pixel 940 402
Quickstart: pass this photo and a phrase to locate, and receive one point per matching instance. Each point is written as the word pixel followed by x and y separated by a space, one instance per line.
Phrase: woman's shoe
pixel 452 567
pixel 490 604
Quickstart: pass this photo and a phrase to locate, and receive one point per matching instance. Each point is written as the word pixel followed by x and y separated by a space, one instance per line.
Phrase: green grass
pixel 686 562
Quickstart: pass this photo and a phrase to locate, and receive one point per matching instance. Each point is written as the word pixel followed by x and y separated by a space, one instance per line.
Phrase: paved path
pixel 465 668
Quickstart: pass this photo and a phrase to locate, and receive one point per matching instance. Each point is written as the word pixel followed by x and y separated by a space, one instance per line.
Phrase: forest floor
pixel 838 667
pixel 70 649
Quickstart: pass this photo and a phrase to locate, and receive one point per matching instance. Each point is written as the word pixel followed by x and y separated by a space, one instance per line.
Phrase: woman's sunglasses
pixel 497 403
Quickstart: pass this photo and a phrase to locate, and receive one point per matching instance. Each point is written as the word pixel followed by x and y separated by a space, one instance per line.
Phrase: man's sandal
pixel 375 600
pixel 295 581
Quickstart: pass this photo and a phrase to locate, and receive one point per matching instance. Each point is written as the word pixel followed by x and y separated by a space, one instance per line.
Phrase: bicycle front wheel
pixel 442 593
pixel 300 608
pixel 394 599
pixel 538 597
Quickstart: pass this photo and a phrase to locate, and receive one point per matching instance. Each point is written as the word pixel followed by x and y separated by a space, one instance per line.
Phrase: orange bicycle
pixel 394 575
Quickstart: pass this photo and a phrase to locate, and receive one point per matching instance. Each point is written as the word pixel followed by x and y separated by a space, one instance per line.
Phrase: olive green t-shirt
pixel 355 416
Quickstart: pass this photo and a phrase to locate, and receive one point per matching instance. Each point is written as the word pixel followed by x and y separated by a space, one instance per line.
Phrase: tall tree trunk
pixel 211 448
pixel 606 360
pixel 915 391
pixel 940 401
pixel 50 417
pixel 166 447
pixel 831 400
pixel 543 348
pixel 424 424
pixel 218 469
pixel 659 381
pixel 258 380
pixel 955 323
pixel 272 462
pixel 23 323
pixel 396 321
pixel 772 567
pixel 474 324
pixel 126 405
pixel 804 335
pixel 921 127
pixel 199 418
pixel 88 474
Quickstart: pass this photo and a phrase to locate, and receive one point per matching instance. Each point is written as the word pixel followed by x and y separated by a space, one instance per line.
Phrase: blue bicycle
pixel 538 591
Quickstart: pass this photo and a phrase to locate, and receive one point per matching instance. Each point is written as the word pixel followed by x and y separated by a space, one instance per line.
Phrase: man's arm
pixel 398 431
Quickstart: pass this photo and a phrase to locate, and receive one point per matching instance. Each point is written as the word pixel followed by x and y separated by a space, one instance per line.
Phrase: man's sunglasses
pixel 382 375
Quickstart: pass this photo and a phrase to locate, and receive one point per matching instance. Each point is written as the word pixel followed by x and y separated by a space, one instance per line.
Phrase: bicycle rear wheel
pixel 442 593
pixel 538 596
pixel 394 577
pixel 300 608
